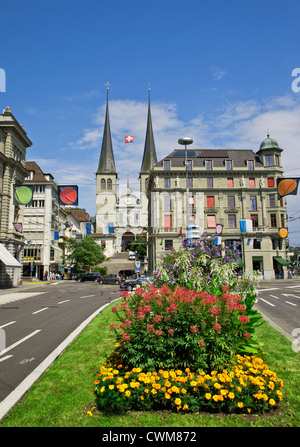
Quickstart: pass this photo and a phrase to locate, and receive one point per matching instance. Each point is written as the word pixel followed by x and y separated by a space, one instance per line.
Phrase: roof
pixel 107 161
pixel 149 156
pixel 269 143
pixel 199 156
pixel 80 215
pixel 39 176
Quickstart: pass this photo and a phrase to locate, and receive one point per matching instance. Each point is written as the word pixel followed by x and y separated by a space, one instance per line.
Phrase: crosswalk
pixel 277 296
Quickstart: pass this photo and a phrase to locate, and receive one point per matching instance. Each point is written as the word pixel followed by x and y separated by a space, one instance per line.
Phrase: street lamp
pixel 186 141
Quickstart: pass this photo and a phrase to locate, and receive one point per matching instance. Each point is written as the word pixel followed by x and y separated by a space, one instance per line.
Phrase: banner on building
pixel 68 195
pixel 246 226
pixel 287 186
pixel 23 195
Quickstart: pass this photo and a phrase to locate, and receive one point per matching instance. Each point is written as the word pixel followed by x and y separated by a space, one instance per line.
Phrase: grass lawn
pixel 63 395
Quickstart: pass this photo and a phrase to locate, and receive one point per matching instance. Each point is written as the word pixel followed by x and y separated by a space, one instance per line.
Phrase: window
pixel 103 184
pixel 210 182
pixel 256 244
pixel 191 201
pixel 109 184
pixel 272 200
pixel 211 221
pixel 230 182
pixel 231 201
pixel 229 165
pixel 168 244
pixel 270 182
pixel 273 221
pixel 231 221
pixel 208 165
pixel 167 182
pixel 168 221
pixel 250 164
pixel 189 182
pixel 251 182
pixel 167 204
pixel 253 203
pixel 269 160
pixel 192 219
pixel 276 160
pixel 189 165
pixel 210 201
pixel 254 218
pixel 167 165
pixel 282 219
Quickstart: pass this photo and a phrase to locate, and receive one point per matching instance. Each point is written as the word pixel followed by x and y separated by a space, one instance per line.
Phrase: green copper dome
pixel 269 143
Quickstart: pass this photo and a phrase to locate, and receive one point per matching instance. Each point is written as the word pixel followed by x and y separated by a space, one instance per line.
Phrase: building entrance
pixel 127 239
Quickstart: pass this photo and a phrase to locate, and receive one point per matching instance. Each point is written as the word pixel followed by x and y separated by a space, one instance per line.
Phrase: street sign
pixel 137 265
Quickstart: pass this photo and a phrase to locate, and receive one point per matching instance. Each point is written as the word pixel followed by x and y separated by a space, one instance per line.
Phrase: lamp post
pixel 186 141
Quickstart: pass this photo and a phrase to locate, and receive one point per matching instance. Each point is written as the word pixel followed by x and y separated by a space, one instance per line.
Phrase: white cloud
pixel 218 73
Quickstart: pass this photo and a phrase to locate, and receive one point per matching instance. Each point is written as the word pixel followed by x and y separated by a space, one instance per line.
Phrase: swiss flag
pixel 128 138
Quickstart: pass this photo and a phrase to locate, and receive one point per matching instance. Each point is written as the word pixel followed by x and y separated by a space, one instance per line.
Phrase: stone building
pixel 214 191
pixel 13 144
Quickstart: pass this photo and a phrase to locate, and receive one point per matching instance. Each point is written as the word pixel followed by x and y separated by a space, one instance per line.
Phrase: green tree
pixel 139 246
pixel 84 253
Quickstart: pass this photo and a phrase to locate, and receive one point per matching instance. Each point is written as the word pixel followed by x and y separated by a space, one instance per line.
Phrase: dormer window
pixel 269 160
pixel 228 165
pixel 250 164
pixel 167 165
pixel 208 164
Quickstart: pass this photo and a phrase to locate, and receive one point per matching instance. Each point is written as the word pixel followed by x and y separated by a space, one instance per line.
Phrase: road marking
pixel 273 305
pixel 65 301
pixel 273 296
pixel 86 296
pixel 293 287
pixel 7 324
pixel 40 310
pixel 267 290
pixel 5 358
pixel 288 294
pixel 20 341
pixel 293 304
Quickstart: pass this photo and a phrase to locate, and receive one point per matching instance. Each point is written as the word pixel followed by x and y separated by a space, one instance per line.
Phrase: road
pixel 279 302
pixel 34 322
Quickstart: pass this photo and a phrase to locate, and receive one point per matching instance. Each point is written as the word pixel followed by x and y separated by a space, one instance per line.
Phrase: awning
pixel 8 259
pixel 281 261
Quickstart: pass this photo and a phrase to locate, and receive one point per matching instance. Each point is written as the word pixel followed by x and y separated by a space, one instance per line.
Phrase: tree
pixel 84 253
pixel 139 246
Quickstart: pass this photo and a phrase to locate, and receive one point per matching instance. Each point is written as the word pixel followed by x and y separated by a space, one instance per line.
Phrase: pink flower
pixel 194 329
pixel 246 335
pixel 150 328
pixel 214 310
pixel 217 327
pixel 124 305
pixel 157 318
pixel 114 309
pixel 112 326
pixel 171 331
pixel 225 288
pixel 201 343
pixel 158 332
pixel 125 336
pixel 243 318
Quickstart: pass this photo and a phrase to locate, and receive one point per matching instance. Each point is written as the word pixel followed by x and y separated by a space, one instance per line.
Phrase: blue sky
pixel 220 72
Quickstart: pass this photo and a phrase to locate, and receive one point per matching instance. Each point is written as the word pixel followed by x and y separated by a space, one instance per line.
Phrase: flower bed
pixel 186 350
pixel 247 386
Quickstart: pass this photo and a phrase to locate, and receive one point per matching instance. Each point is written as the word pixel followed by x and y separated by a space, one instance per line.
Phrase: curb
pixel 23 387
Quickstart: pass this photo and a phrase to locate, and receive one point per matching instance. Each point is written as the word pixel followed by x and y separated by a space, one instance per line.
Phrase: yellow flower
pixel 111 387
pixel 177 401
pixel 90 413
pixel 207 396
pixel 127 393
pixel 183 390
pixel 215 397
pixel 240 404
pixel 185 407
pixel 146 390
pixel 217 385
pixel 193 383
pixel 96 382
pixel 153 391
pixel 102 389
pixel 231 395
pixel 142 398
pixel 272 402
pixel 167 396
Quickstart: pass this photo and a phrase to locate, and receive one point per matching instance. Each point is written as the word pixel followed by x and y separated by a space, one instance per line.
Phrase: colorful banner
pixel 68 195
pixel 287 186
pixel 23 195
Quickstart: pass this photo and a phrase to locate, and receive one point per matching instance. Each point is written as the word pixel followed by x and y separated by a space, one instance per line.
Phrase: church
pixel 119 219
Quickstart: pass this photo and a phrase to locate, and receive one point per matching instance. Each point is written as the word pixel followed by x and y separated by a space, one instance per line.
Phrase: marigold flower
pixel 240 404
pixel 177 401
pixel 208 396
pixel 272 402
pixel 167 395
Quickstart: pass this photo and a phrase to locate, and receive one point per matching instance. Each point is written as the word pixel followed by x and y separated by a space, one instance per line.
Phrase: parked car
pixel 94 276
pixel 110 279
pixel 126 274
pixel 129 284
pixel 131 256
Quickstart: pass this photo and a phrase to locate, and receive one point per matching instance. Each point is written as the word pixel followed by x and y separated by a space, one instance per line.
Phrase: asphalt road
pixel 279 302
pixel 36 321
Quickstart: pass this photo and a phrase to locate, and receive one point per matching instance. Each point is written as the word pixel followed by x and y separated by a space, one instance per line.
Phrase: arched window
pixel 103 184
pixel 109 184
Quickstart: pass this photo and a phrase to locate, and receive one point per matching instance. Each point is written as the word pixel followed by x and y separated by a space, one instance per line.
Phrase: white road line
pixel 5 358
pixel 273 305
pixel 40 310
pixel 267 290
pixel 293 304
pixel 7 324
pixel 289 294
pixel 86 296
pixel 273 296
pixel 293 287
pixel 65 301
pixel 20 341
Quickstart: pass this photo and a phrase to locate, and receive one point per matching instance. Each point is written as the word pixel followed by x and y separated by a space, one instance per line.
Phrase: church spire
pixel 149 157
pixel 107 161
